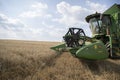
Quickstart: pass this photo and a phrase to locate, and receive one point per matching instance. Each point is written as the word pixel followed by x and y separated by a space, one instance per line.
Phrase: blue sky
pixel 46 20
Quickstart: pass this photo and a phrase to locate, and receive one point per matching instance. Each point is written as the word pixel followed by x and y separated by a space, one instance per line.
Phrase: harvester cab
pixel 99 24
pixel 105 40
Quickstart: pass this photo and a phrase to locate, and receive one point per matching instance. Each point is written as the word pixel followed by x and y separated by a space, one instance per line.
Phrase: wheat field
pixel 33 60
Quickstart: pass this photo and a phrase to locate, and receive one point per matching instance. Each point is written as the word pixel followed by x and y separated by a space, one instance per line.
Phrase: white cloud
pixel 6 21
pixel 39 5
pixel 71 15
pixel 14 28
pixel 74 14
pixel 11 28
pixel 53 32
pixel 96 6
pixel 37 9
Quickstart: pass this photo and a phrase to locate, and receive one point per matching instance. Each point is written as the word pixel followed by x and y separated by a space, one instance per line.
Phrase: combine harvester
pixel 105 40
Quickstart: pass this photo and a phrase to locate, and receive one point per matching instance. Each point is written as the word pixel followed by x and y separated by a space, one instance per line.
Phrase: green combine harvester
pixel 105 40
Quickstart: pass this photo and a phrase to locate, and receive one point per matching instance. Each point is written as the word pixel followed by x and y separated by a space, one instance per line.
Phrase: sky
pixel 46 20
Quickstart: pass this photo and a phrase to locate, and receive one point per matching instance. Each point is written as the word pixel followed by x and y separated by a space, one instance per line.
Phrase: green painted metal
pixel 114 12
pixel 59 48
pixel 93 51
pixel 74 50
